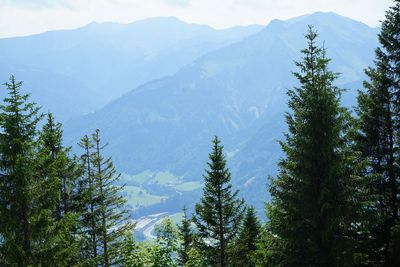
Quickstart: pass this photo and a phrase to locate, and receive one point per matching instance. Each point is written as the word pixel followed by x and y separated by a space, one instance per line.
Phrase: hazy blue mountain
pixel 89 66
pixel 237 92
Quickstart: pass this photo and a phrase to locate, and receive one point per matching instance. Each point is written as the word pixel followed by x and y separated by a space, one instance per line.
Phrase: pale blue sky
pixel 23 17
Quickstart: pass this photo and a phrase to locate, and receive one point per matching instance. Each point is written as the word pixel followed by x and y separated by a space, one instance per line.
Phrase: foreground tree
pixel 105 221
pixel 379 139
pixel 58 162
pixel 32 232
pixel 219 212
pixel 19 184
pixel 313 197
pixel 59 172
pixel 245 243
pixel 89 216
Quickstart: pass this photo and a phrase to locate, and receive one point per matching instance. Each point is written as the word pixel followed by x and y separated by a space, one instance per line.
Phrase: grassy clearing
pixel 188 186
pixel 138 197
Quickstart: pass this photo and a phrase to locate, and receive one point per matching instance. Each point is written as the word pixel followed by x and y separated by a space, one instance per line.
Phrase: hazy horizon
pixel 40 16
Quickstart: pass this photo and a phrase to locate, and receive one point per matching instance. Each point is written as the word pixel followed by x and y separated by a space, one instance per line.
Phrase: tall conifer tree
pixel 89 228
pixel 31 233
pixel 313 195
pixel 32 229
pixel 18 185
pixel 114 218
pixel 379 139
pixel 105 220
pixel 65 167
pixel 59 173
pixel 219 212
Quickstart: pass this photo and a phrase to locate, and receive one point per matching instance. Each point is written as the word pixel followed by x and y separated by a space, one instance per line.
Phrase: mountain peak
pixel 325 18
pixel 147 22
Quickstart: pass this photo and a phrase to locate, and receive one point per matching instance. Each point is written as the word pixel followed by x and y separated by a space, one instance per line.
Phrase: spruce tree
pixel 105 219
pixel 219 213
pixel 379 138
pixel 112 205
pixel 59 172
pixel 313 197
pixel 245 243
pixel 65 167
pixel 19 185
pixel 34 229
pixel 89 216
pixel 186 237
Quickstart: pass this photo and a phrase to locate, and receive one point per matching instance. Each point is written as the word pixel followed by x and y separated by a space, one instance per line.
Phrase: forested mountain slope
pixel 237 92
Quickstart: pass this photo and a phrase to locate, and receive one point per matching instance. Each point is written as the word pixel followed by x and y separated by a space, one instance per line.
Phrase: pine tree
pixel 245 243
pixel 34 229
pixel 114 217
pixel 379 139
pixel 219 212
pixel 186 236
pixel 19 185
pixel 313 196
pixel 60 173
pixel 89 216
pixel 105 220
pixel 66 168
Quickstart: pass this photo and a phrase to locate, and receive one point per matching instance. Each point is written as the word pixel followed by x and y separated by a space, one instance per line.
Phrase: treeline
pixel 55 209
pixel 335 201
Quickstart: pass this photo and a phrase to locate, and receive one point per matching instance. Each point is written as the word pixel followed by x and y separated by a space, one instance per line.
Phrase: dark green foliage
pixel 89 215
pixel 114 218
pixel 19 185
pixel 186 238
pixel 60 173
pixel 64 168
pixel 219 212
pixel 34 166
pixel 269 249
pixel 379 115
pixel 313 196
pixel 334 203
pixel 245 243
pixel 105 221
pixel 394 247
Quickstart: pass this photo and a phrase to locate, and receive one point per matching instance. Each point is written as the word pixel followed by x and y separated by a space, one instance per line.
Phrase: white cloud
pixel 22 17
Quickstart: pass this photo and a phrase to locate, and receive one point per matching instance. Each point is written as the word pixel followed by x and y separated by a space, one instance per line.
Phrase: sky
pixel 25 17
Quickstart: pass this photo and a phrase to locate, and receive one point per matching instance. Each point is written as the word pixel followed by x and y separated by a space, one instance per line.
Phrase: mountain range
pixel 90 66
pixel 162 105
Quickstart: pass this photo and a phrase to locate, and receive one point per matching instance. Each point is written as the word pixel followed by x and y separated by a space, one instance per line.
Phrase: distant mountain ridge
pixel 91 65
pixel 237 92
